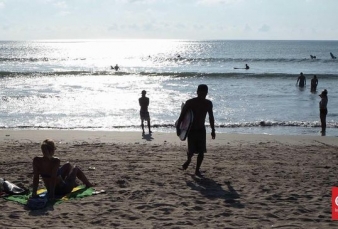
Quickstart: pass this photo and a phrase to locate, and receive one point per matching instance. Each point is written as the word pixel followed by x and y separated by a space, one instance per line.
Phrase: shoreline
pixel 69 136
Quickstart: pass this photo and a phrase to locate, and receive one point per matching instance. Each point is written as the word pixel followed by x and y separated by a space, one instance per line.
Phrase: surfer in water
pixel 302 80
pixel 332 56
pixel 246 67
pixel 200 106
pixel 144 114
pixel 116 67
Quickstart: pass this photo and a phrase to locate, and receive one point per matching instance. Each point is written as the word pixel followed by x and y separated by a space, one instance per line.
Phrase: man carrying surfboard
pixel 200 106
pixel 144 114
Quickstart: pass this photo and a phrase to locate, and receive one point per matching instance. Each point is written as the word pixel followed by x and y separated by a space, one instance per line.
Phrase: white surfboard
pixel 186 124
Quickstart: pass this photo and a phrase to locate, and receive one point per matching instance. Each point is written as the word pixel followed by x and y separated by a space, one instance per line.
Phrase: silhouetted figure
pixel 314 83
pixel 323 110
pixel 302 80
pixel 332 56
pixel 200 106
pixel 246 67
pixel 144 114
pixel 116 68
pixel 58 180
pixel 313 57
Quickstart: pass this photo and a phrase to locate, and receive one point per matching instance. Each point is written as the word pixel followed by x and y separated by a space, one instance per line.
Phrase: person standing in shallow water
pixel 200 106
pixel 323 110
pixel 144 114
pixel 302 80
pixel 314 83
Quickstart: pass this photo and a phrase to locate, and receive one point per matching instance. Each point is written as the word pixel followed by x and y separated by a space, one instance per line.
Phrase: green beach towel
pixel 77 192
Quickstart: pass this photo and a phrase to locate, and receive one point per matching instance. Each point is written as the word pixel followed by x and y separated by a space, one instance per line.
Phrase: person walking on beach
pixel 323 110
pixel 58 180
pixel 302 80
pixel 200 106
pixel 144 114
pixel 314 83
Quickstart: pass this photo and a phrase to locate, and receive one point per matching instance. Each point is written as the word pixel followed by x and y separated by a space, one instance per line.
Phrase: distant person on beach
pixel 200 106
pixel 302 80
pixel 58 180
pixel 314 83
pixel 323 110
pixel 313 57
pixel 116 67
pixel 332 56
pixel 144 114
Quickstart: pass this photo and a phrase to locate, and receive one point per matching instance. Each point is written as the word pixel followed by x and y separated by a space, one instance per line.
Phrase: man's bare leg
pixel 199 163
pixel 186 164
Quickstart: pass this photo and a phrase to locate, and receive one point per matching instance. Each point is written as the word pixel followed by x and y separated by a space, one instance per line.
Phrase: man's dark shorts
pixel 197 141
pixel 144 115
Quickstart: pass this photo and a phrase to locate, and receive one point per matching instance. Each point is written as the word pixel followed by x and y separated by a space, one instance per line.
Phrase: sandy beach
pixel 250 181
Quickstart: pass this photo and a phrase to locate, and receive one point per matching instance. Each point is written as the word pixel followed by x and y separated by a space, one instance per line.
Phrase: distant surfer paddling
pixel 200 106
pixel 116 68
pixel 302 80
pixel 246 67
pixel 144 114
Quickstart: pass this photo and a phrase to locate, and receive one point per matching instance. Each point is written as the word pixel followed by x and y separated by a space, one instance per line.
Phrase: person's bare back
pixel 200 107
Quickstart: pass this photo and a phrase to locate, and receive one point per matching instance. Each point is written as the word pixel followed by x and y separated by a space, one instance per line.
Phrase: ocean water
pixel 68 84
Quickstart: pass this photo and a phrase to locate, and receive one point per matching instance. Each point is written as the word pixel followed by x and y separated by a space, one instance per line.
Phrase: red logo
pixel 334 203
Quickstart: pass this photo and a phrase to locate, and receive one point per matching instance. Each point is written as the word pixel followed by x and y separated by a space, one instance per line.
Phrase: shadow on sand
pixel 147 137
pixel 213 190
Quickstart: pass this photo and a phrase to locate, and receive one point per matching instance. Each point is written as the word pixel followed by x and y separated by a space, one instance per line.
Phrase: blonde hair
pixel 47 146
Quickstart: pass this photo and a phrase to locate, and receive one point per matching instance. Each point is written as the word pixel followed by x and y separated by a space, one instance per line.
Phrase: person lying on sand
pixel 58 180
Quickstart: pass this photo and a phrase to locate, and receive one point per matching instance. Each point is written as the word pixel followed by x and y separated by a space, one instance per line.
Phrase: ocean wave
pixel 36 59
pixel 235 60
pixel 159 59
pixel 42 74
pixel 4 74
pixel 258 124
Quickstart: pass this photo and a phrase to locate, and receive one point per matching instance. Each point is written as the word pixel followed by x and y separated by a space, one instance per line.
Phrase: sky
pixel 169 19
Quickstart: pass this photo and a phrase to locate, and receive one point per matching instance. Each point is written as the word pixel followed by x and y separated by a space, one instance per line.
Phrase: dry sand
pixel 250 181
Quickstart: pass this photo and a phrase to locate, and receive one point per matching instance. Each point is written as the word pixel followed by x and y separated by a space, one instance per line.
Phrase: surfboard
pixel 185 125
